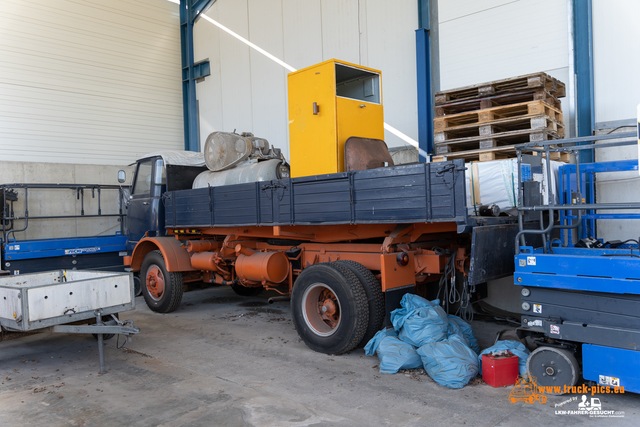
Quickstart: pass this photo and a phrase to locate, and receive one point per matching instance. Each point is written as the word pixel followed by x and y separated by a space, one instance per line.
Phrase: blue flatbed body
pixel 421 192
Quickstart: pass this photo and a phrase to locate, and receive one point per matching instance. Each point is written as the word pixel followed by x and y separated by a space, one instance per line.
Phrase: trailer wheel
pixel 329 308
pixel 137 286
pixel 375 298
pixel 246 291
pixel 553 366
pixel 162 289
pixel 105 319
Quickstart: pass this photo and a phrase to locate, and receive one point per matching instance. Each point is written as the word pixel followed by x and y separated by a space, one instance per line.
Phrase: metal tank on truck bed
pixel 345 243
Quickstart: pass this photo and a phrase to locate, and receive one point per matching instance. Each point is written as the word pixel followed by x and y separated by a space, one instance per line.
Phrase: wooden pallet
pixel 539 94
pixel 493 133
pixel 486 142
pixel 523 109
pixel 514 84
pixel 496 153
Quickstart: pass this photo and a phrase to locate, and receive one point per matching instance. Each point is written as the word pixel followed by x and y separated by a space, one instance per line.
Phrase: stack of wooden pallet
pixel 484 122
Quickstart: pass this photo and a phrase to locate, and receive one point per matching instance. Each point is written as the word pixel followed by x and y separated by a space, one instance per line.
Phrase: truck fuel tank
pixel 258 171
pixel 262 267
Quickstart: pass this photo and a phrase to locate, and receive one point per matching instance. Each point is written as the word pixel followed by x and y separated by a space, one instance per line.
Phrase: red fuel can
pixel 499 370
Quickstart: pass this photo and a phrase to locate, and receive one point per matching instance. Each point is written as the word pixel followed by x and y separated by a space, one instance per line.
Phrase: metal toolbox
pixel 39 300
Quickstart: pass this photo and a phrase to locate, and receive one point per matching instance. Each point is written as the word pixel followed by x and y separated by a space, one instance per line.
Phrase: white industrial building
pixel 111 92
pixel 87 87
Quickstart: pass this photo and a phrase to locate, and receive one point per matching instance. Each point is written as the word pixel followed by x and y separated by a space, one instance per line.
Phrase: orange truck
pixel 345 245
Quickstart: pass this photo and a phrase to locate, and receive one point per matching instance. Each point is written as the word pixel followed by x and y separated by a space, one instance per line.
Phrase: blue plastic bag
pixel 455 330
pixel 393 353
pixel 515 347
pixel 411 302
pixel 450 362
pixel 466 330
pixel 419 321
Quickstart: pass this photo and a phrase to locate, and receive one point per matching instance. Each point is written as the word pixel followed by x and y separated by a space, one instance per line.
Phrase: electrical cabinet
pixel 328 103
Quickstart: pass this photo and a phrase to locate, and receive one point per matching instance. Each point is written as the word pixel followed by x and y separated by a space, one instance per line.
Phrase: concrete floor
pixel 224 360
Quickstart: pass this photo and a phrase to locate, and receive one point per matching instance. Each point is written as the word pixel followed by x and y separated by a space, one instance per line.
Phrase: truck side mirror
pixel 122 176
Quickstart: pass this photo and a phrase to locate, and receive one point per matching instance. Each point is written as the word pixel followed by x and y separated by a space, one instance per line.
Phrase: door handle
pixel 145 203
pixel 316 108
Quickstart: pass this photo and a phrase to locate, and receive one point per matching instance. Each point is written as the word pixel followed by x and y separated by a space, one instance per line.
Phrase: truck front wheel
pixel 329 308
pixel 162 289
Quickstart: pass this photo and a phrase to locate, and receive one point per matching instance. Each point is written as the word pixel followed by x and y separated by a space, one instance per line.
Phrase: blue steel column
pixel 189 11
pixel 188 83
pixel 425 93
pixel 583 60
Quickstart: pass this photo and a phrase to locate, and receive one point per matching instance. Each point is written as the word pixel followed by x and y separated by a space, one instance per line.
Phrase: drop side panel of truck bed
pixel 421 192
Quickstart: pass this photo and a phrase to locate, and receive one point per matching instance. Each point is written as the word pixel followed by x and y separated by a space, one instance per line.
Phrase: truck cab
pixel 145 212
pixel 154 175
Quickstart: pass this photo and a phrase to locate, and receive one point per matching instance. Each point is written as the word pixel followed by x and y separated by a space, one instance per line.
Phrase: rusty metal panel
pixel 393 274
pixel 366 153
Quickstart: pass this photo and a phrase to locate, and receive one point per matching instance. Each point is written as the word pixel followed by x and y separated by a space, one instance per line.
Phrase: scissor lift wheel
pixel 553 367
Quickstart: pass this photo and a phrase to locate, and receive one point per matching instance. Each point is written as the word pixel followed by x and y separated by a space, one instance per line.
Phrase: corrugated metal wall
pixel 247 91
pixel 89 81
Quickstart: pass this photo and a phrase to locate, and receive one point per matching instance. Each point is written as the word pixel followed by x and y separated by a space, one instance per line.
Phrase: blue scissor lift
pixel 103 252
pixel 580 294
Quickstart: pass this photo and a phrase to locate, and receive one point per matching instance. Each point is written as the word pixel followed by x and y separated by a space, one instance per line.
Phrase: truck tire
pixel 329 308
pixel 162 289
pixel 375 298
pixel 246 291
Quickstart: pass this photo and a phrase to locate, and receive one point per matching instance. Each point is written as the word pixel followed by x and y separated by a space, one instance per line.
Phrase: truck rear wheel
pixel 329 308
pixel 375 298
pixel 162 289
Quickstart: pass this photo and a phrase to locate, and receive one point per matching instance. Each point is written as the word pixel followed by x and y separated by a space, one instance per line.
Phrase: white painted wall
pixel 246 91
pixel 487 40
pixel 617 187
pixel 90 81
pixel 616 59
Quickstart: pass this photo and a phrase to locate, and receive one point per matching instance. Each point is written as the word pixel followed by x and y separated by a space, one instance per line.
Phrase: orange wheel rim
pixel 321 309
pixel 155 282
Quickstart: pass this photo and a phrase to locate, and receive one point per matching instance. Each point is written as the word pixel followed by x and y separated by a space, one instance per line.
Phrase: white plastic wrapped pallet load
pixel 495 183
